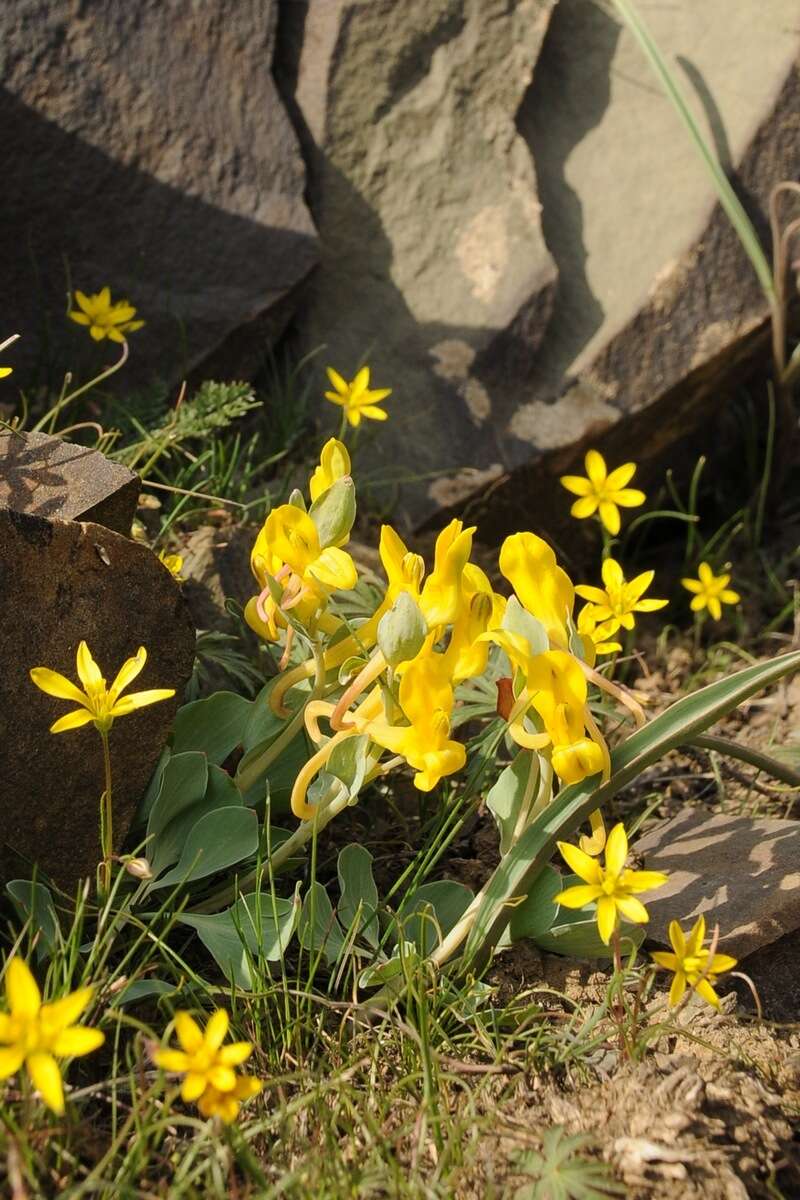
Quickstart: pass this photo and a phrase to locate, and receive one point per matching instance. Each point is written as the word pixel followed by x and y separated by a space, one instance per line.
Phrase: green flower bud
pixel 334 513
pixel 402 630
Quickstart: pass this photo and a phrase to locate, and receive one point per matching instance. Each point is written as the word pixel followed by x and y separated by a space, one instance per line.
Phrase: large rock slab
pixel 425 199
pixel 740 873
pixel 54 478
pixel 657 309
pixel 61 582
pixel 145 147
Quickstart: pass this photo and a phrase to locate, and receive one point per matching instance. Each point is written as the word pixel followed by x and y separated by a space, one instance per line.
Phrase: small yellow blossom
pixel 611 888
pixel 5 371
pixel 104 319
pixel 356 397
pixel 690 963
pixel 710 591
pixel 621 598
pixel 173 563
pixel 603 492
pixel 98 702
pixel 597 635
pixel 210 1080
pixel 35 1034
pixel 334 464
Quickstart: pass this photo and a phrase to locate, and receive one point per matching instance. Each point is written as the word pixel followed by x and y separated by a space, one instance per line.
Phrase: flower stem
pixel 106 820
pixel 65 400
pixel 617 982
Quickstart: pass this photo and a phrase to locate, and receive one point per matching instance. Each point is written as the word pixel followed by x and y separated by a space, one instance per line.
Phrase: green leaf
pixel 559 1172
pixel 358 906
pixel 154 786
pixel 183 784
pixel 142 989
pixel 219 840
pixel 581 939
pixel 431 911
pixel 504 800
pixel 214 725
pixel 537 912
pixel 254 928
pixel 323 933
pixel 348 762
pixel 392 972
pixel 684 719
pixel 221 791
pixel 34 903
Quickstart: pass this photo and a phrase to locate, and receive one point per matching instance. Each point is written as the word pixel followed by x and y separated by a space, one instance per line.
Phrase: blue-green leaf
pixel 431 911
pixel 257 927
pixel 219 840
pixel 358 905
pixel 215 725
pixel 34 903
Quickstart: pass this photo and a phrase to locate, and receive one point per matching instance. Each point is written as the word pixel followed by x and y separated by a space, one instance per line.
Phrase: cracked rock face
pixel 425 199
pixel 145 147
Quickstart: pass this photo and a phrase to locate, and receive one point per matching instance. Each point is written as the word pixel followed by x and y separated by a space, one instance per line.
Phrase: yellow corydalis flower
pixel 334 463
pixel 603 492
pixel 611 887
pixel 207 1066
pixel 104 319
pixel 35 1035
pixel 541 586
pixel 621 598
pixel 356 397
pixel 173 563
pixel 690 963
pixel 710 591
pixel 287 550
pixel 98 703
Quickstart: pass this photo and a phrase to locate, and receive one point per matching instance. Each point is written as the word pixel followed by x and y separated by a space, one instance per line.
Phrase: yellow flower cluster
pixel 209 1078
pixel 103 318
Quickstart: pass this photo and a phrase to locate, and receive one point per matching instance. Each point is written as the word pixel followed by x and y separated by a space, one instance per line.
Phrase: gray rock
pixel 425 199
pixel 50 477
pixel 61 582
pixel 739 873
pixel 146 147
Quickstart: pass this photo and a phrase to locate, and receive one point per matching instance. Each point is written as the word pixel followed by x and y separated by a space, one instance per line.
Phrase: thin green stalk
pixel 65 400
pixel 106 819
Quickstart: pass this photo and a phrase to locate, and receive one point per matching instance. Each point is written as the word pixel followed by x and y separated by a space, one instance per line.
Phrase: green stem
pixel 106 819
pixel 65 400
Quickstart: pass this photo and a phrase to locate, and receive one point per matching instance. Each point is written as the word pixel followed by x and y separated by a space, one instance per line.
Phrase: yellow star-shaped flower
pixel 356 397
pixel 602 491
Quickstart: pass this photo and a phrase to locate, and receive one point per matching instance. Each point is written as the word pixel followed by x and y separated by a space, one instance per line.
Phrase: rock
pixel 658 309
pixel 425 199
pixel 60 582
pixel 741 873
pixel 146 148
pixel 52 478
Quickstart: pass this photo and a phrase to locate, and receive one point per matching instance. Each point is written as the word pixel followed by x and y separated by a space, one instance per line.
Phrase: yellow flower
pixel 442 595
pixel 603 491
pixel 542 587
pixel 610 887
pixel 482 609
pixel 210 1080
pixel 621 599
pixel 690 963
pixel 426 698
pixel 287 550
pixel 36 1034
pixel 104 319
pixel 98 702
pixel 597 635
pixel 173 563
pixel 5 371
pixel 356 397
pixel 404 569
pixel 710 591
pixel 334 463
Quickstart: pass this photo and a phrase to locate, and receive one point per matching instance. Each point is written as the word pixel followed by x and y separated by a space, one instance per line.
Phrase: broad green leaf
pixel 214 725
pixel 323 933
pixel 515 784
pixel 141 989
pixel 359 895
pixel 687 717
pixel 255 927
pixel 580 939
pixel 153 788
pixel 537 912
pixel 167 846
pixel 348 762
pixel 183 784
pixel 430 912
pixel 221 791
pixel 33 902
pixel 219 840
pixel 392 972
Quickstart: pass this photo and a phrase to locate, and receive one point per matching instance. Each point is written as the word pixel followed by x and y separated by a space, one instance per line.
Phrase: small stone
pixel 49 477
pixel 740 873
pixel 56 589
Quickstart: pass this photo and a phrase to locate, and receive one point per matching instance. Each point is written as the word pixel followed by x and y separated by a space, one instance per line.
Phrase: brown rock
pixel 146 147
pixel 61 582
pixel 739 873
pixel 49 477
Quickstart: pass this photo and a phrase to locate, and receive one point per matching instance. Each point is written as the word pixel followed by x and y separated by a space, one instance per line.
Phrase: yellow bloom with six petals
pixel 621 598
pixel 104 319
pixel 356 397
pixel 34 1035
pixel 207 1066
pixel 603 492
pixel 611 887
pixel 690 963
pixel 98 702
pixel 710 591
pixel 597 635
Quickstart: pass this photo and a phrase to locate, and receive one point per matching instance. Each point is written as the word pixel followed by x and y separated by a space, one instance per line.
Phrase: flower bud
pixel 139 868
pixel 402 630
pixel 334 513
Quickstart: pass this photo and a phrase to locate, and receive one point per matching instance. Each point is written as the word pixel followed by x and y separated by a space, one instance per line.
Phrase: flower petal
pixel 632 909
pixel 705 574
pixel 88 670
pixel 334 568
pixel 374 413
pixel 57 685
pixel 127 704
pixel 616 849
pixel 222 1078
pixel 596 467
pixel 11 1059
pixel 629 498
pixel 216 1031
pixel 609 515
pixel 721 963
pixel 337 381
pixel 677 939
pixel 644 881
pixel 697 935
pixel 704 989
pixel 127 673
pixel 620 477
pixel 44 1072
pixel 585 507
pixel 77 1041
pixel 22 990
pixel 606 918
pixel 577 484
pixel 593 594
pixel 72 720
pixel 714 607
pixel 677 988
pixel 693 585
pixel 193 1086
pixel 586 867
pixel 64 1012
pixel 172 1060
pixel 612 574
pixel 189 1033
pixel 727 596
pixel 665 959
pixel 578 896
pixel 235 1054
